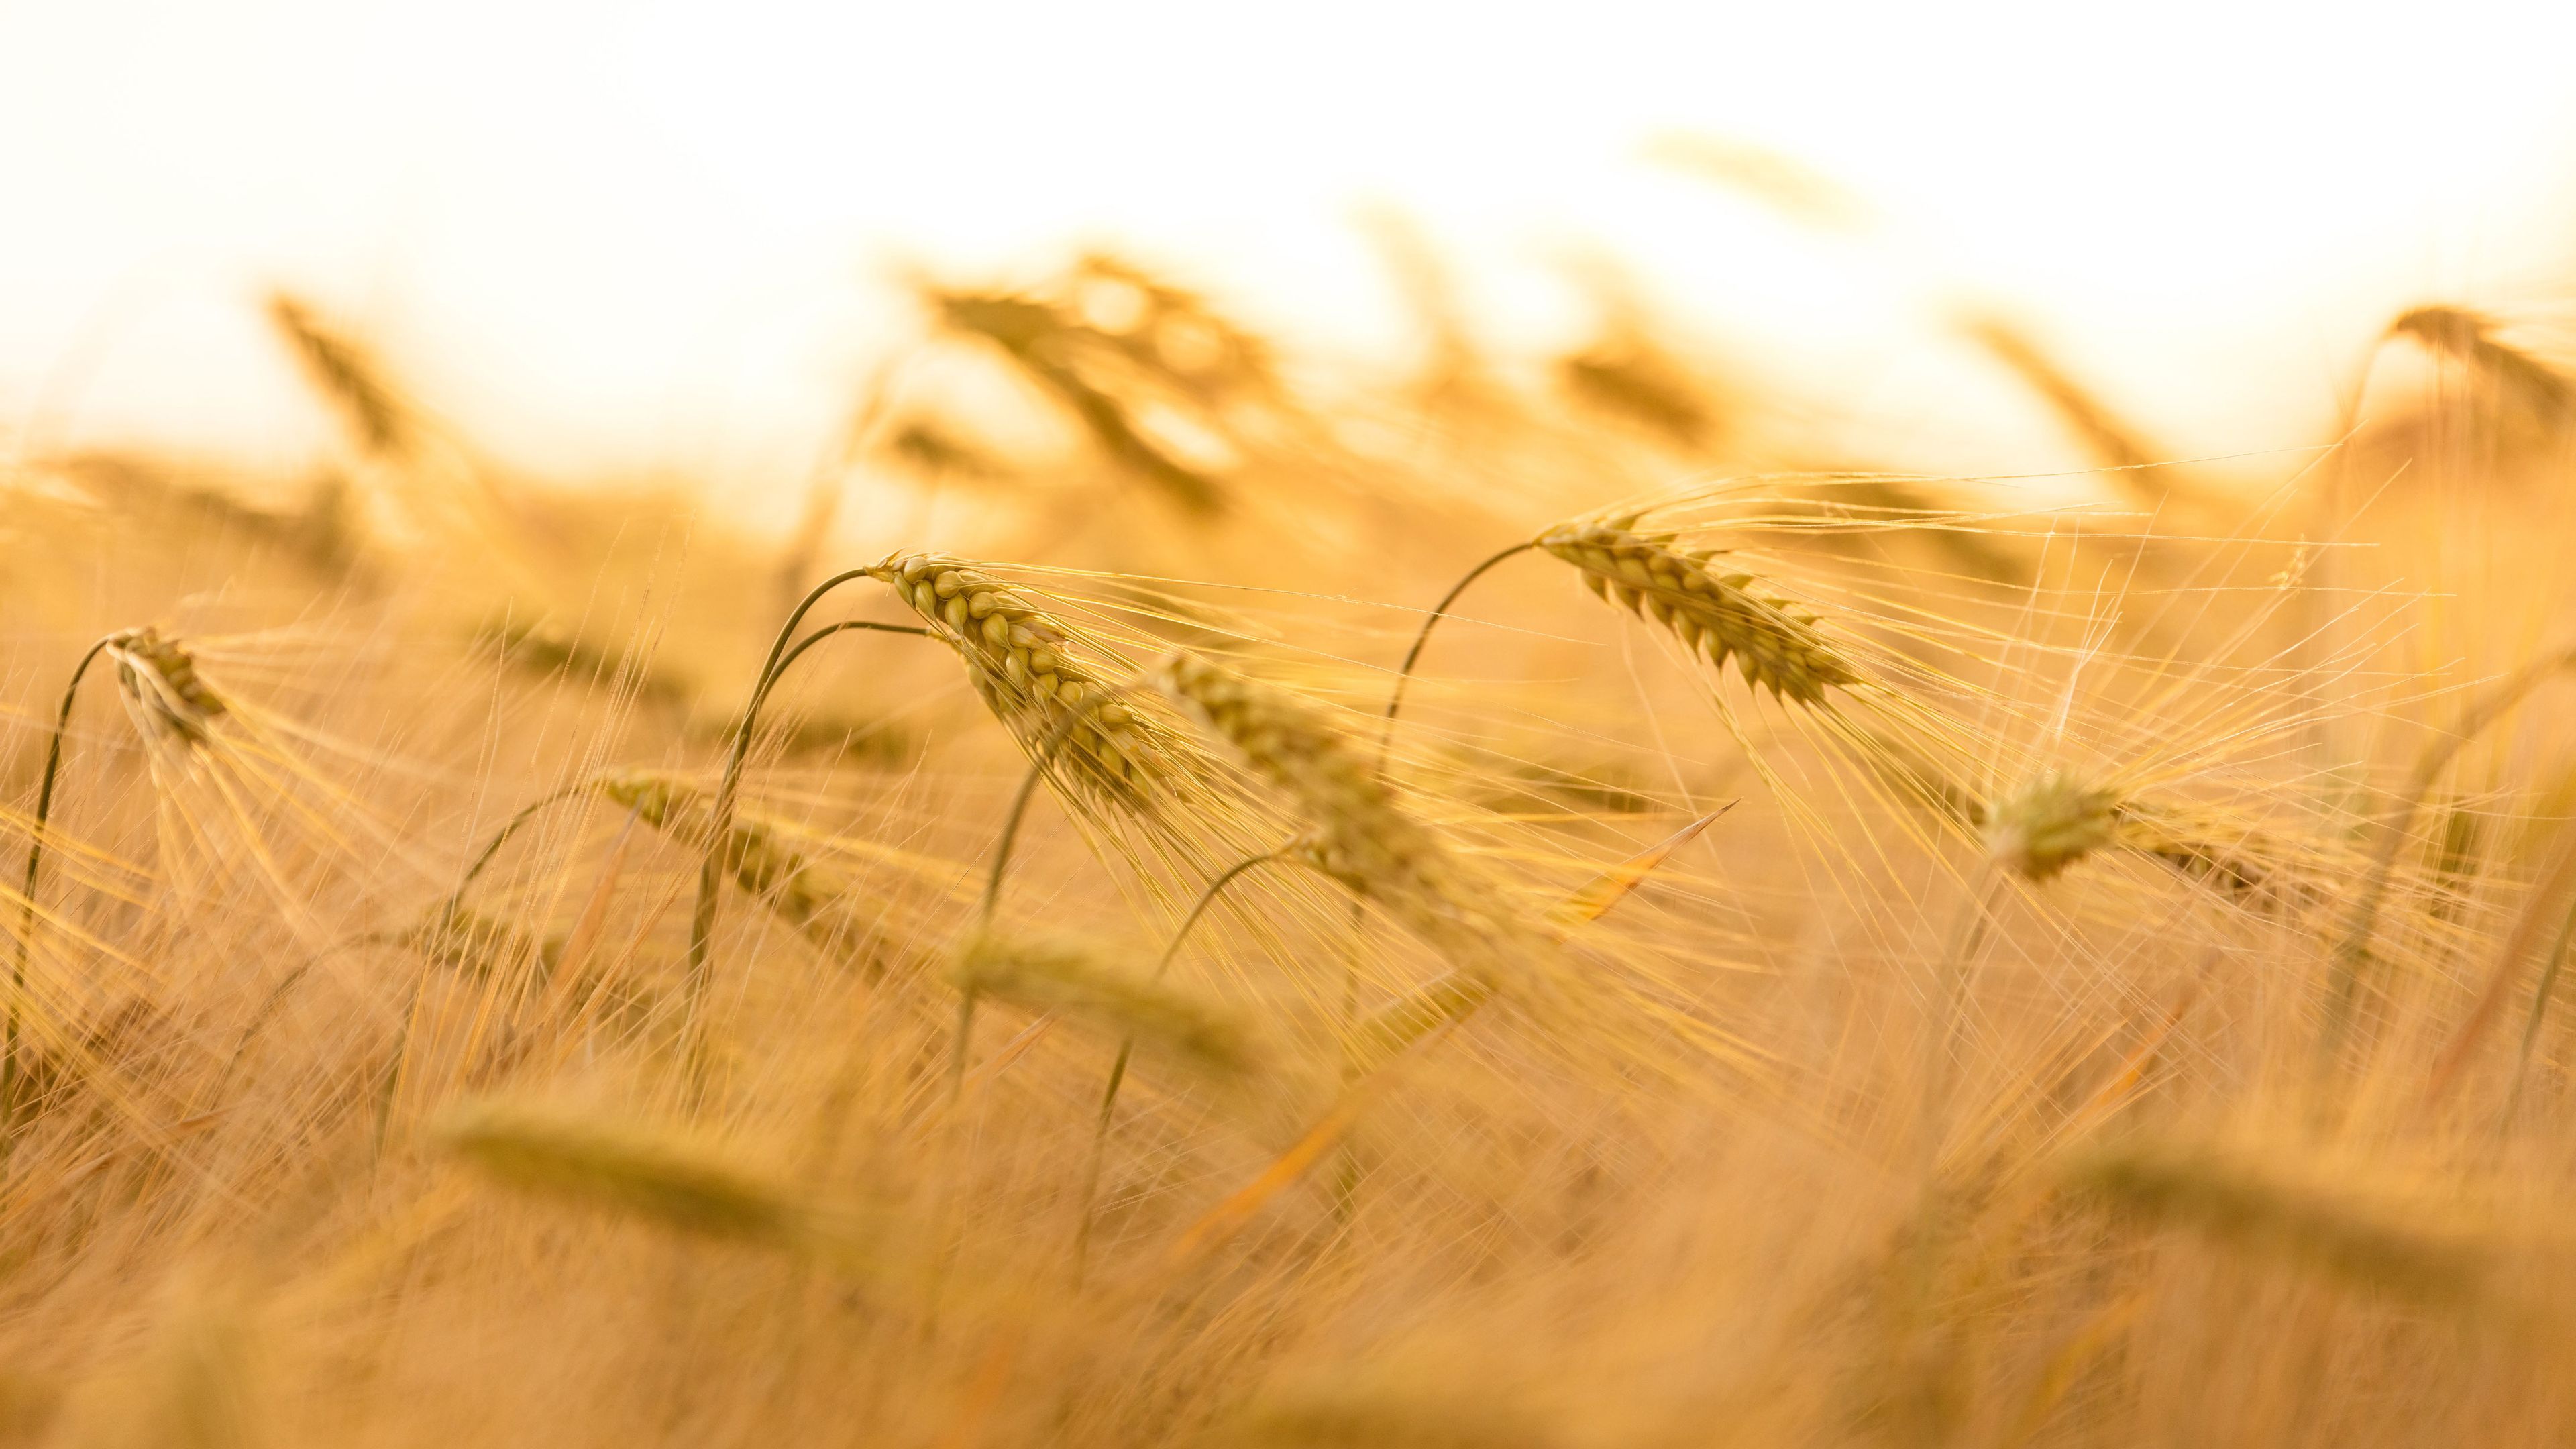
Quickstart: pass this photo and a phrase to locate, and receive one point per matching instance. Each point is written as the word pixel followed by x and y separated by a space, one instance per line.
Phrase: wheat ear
pixel 1362 837
pixel 2232 1202
pixel 1062 978
pixel 1775 643
pixel 657 1177
pixel 1031 670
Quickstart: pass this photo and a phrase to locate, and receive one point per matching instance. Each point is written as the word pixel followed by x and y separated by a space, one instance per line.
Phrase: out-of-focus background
pixel 634 237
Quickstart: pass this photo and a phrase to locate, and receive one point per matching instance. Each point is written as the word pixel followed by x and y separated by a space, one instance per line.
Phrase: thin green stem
pixel 492 847
pixel 1346 1182
pixel 828 630
pixel 276 998
pixel 1413 656
pixel 1039 760
pixel 2539 1009
pixel 27 906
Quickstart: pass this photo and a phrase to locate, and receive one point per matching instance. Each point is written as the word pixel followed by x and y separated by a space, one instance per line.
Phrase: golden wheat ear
pixel 1776 644
pixel 1071 980
pixel 1360 835
pixel 1047 681
pixel 2046 825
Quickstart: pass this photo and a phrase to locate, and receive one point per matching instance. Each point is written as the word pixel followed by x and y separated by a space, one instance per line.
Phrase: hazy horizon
pixel 614 238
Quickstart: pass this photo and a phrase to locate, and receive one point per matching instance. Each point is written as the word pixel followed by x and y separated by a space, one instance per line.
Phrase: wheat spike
pixel 2048 824
pixel 1775 643
pixel 2234 1202
pixel 765 862
pixel 345 373
pixel 2470 337
pixel 1362 837
pixel 655 1176
pixel 158 678
pixel 1039 675
pixel 1077 981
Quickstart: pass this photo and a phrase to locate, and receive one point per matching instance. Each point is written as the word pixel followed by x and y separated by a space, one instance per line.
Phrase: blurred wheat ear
pixel 343 371
pixel 2050 823
pixel 2469 337
pixel 653 1175
pixel 1069 979
pixel 2229 1199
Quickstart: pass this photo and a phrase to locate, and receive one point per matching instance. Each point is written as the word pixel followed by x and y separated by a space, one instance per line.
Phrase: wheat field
pixel 1205 895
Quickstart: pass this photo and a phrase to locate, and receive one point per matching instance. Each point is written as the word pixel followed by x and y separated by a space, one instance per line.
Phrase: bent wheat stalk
pixel 2553 884
pixel 1413 656
pixel 2352 953
pixel 1127 1045
pixel 159 680
pixel 2540 996
pixel 702 917
pixel 27 906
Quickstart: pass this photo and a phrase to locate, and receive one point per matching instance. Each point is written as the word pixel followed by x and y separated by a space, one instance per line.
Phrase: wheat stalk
pixel 783 651
pixel 1208 896
pixel 2352 945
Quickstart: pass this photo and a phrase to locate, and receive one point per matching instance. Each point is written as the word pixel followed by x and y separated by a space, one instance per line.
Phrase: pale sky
pixel 638 234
